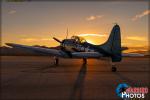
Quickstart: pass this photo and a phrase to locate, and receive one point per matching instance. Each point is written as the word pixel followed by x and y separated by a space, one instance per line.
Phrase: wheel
pixel 56 61
pixel 114 69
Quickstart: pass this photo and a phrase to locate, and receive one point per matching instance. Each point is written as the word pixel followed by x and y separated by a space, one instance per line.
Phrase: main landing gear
pixel 56 61
pixel 113 69
pixel 84 61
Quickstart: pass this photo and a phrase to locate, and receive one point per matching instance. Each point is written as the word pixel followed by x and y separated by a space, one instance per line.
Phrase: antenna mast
pixel 67 33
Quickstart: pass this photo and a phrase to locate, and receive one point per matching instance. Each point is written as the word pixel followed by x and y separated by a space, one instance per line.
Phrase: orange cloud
pixel 35 39
pixel 92 17
pixel 137 38
pixel 138 16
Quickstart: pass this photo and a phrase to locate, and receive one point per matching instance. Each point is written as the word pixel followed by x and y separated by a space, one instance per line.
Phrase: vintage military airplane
pixel 78 47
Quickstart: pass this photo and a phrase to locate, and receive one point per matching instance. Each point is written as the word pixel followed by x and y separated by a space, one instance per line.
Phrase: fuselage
pixel 78 44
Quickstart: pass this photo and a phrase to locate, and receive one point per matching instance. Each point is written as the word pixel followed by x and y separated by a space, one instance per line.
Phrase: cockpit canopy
pixel 78 39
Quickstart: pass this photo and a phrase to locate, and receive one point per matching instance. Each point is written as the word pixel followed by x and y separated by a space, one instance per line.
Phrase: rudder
pixel 113 45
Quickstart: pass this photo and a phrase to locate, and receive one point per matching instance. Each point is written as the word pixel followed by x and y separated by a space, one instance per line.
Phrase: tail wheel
pixel 56 61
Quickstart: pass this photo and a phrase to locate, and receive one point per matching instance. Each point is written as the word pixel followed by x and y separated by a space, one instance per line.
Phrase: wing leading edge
pixel 47 51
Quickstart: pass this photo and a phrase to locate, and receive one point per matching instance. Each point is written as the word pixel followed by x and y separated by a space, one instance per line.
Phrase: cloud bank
pixel 12 12
pixel 136 38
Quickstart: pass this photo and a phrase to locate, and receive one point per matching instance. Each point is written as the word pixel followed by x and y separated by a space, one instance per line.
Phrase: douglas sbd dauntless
pixel 77 47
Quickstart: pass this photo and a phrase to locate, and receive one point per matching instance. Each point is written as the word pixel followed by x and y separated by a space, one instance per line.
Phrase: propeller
pixel 57 40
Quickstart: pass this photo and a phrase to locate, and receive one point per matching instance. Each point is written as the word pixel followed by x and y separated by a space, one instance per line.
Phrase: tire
pixel 56 61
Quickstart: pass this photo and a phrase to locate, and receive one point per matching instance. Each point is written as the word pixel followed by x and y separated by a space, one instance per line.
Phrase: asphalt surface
pixel 36 78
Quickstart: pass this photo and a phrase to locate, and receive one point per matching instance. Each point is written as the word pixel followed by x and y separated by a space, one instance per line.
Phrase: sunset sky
pixel 35 23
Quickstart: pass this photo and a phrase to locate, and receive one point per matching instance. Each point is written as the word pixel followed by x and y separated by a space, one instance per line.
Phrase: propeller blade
pixel 57 40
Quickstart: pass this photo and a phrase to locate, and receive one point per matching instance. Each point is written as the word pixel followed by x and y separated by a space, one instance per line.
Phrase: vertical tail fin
pixel 113 44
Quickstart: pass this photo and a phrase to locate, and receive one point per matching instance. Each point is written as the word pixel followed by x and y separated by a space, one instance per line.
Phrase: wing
pixel 47 51
pixel 132 55
pixel 86 55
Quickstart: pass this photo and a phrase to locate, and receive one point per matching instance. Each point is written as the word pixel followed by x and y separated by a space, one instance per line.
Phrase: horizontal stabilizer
pixel 132 55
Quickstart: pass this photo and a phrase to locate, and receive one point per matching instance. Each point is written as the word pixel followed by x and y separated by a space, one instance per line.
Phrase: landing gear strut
pixel 56 61
pixel 84 61
pixel 113 69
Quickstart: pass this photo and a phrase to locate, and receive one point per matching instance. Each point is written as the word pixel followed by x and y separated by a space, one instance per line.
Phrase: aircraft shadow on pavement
pixel 78 88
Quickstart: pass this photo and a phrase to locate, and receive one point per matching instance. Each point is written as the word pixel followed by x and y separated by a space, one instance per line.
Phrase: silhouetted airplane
pixel 77 47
